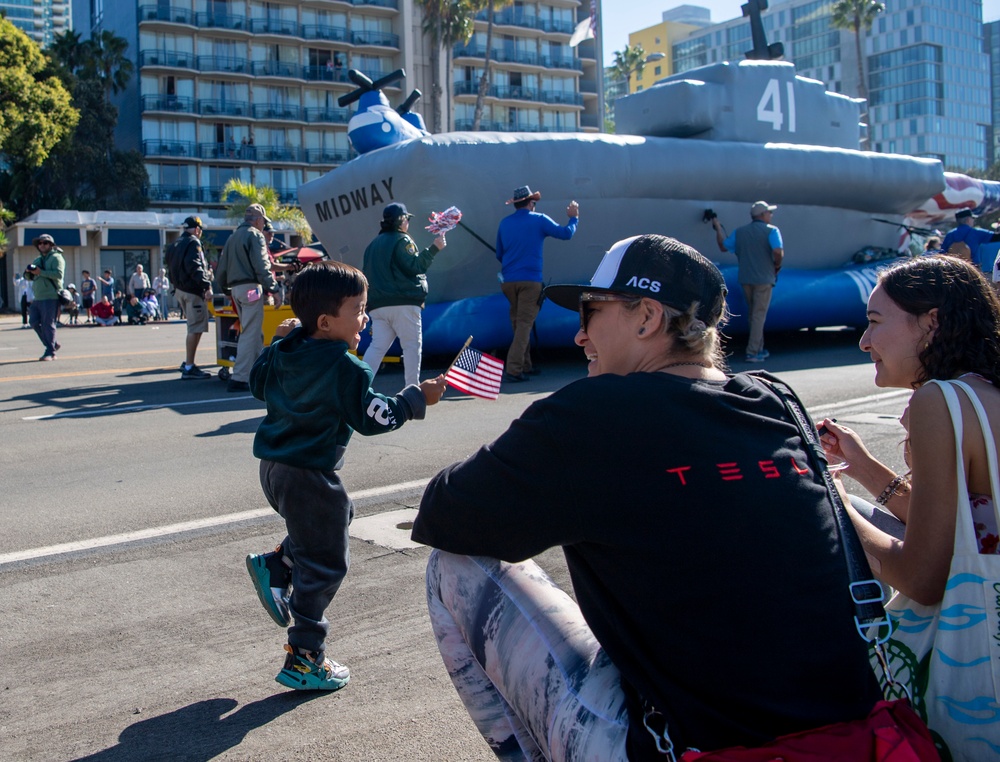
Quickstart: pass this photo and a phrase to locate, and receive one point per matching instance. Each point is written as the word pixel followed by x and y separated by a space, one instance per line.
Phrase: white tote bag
pixel 949 654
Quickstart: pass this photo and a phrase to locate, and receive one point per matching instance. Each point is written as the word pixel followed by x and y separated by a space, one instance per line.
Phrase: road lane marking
pixel 819 410
pixel 132 408
pixel 78 373
pixel 183 527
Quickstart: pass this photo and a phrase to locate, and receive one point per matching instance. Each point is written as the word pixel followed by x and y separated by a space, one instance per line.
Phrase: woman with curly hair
pixel 934 327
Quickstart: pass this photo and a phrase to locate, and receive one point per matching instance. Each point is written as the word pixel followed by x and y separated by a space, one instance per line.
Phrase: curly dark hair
pixel 967 339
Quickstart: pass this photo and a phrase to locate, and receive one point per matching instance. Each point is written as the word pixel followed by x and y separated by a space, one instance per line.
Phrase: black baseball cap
pixel 193 222
pixel 394 211
pixel 656 267
pixel 963 214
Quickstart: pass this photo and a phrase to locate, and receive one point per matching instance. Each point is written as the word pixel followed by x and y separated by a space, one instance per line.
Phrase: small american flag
pixel 476 373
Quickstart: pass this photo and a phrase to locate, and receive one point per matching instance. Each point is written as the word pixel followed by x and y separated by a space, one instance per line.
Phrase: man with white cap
pixel 759 251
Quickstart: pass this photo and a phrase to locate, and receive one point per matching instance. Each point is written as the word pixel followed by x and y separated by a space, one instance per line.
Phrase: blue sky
pixel 624 16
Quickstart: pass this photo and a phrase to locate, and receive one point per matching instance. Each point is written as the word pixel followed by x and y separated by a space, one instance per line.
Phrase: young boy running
pixel 317 395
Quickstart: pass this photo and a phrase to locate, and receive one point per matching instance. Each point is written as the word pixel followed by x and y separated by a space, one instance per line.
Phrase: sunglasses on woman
pixel 589 296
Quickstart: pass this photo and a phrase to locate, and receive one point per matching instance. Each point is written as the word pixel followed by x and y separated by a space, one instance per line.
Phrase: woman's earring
pixel 642 331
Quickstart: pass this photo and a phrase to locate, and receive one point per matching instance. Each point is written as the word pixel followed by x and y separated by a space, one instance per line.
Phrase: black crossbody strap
pixel 866 592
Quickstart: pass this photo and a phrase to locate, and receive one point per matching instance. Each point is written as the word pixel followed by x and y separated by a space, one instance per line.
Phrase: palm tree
pixel 459 27
pixel 238 195
pixel 106 60
pixel 69 50
pixel 630 60
pixel 855 16
pixel 484 81
pixel 445 23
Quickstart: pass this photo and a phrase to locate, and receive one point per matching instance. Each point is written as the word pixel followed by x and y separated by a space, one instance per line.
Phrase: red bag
pixel 891 733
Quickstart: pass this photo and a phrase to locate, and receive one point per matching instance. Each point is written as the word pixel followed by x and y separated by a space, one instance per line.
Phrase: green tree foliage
pixel 445 23
pixel 35 108
pixel 629 61
pixel 238 195
pixel 84 171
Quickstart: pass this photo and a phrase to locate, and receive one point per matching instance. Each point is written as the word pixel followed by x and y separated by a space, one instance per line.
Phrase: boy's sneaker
pixel 302 673
pixel 271 578
pixel 194 372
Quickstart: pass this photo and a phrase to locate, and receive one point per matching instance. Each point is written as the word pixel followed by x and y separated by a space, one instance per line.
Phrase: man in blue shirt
pixel 966 232
pixel 759 251
pixel 519 249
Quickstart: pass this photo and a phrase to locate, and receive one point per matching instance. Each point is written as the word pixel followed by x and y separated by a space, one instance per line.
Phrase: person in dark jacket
pixel 317 395
pixel 397 288
pixel 710 586
pixel 192 281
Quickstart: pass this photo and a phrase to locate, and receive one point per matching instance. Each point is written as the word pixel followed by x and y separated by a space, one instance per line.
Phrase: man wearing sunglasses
pixel 519 249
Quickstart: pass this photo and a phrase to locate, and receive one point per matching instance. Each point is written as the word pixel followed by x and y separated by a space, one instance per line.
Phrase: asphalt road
pixel 129 500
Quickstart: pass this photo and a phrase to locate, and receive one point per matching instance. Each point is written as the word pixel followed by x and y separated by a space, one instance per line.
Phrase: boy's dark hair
pixel 321 288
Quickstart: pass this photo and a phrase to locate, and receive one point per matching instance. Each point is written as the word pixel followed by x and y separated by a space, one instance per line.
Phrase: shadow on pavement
pixel 199 731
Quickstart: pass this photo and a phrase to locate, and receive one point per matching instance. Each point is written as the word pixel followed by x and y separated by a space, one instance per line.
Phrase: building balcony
pixel 519 17
pixel 175 193
pixel 465 125
pixel 285 27
pixel 378 3
pixel 325 73
pixel 168 148
pixel 169 13
pixel 175 103
pixel 168 58
pixel 276 69
pixel 328 115
pixel 221 21
pixel 518 57
pixel 281 154
pixel 324 32
pixel 328 155
pixel 230 150
pixel 562 62
pixel 219 107
pixel 519 93
pixel 211 195
pixel 288 196
pixel 270 111
pixel 590 120
pixel 379 39
pixel 223 64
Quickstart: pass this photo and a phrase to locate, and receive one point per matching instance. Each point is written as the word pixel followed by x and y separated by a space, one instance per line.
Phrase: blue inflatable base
pixel 802 299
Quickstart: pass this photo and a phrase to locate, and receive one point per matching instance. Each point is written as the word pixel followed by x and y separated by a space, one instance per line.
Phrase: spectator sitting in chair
pixel 150 306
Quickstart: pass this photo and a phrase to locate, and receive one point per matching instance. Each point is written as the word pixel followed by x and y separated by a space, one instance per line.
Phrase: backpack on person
pixel 174 258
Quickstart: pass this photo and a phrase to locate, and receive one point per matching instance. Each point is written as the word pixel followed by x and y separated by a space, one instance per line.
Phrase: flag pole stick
pixel 464 347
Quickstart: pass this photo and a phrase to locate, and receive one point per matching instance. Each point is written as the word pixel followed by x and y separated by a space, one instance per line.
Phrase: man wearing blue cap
pixel 967 233
pixel 397 289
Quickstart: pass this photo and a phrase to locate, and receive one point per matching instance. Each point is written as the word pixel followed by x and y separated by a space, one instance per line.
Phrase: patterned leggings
pixel 530 672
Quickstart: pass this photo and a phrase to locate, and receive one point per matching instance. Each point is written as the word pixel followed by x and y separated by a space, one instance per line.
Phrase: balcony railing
pixel 217 106
pixel 328 115
pixel 324 32
pixel 179 193
pixel 180 103
pixel 166 13
pixel 379 3
pixel 168 148
pixel 562 62
pixel 221 21
pixel 281 153
pixel 519 17
pixel 327 155
pixel 464 125
pixel 562 97
pixel 518 56
pixel 325 73
pixel 166 58
pixel 519 93
pixel 382 39
pixel 268 111
pixel 230 150
pixel 276 69
pixel 275 26
pixel 223 64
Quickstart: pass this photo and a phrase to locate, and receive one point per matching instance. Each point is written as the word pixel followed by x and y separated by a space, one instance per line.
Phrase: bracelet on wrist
pixel 898 486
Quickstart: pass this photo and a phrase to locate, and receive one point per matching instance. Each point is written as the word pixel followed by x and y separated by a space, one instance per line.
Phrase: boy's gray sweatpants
pixel 317 513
